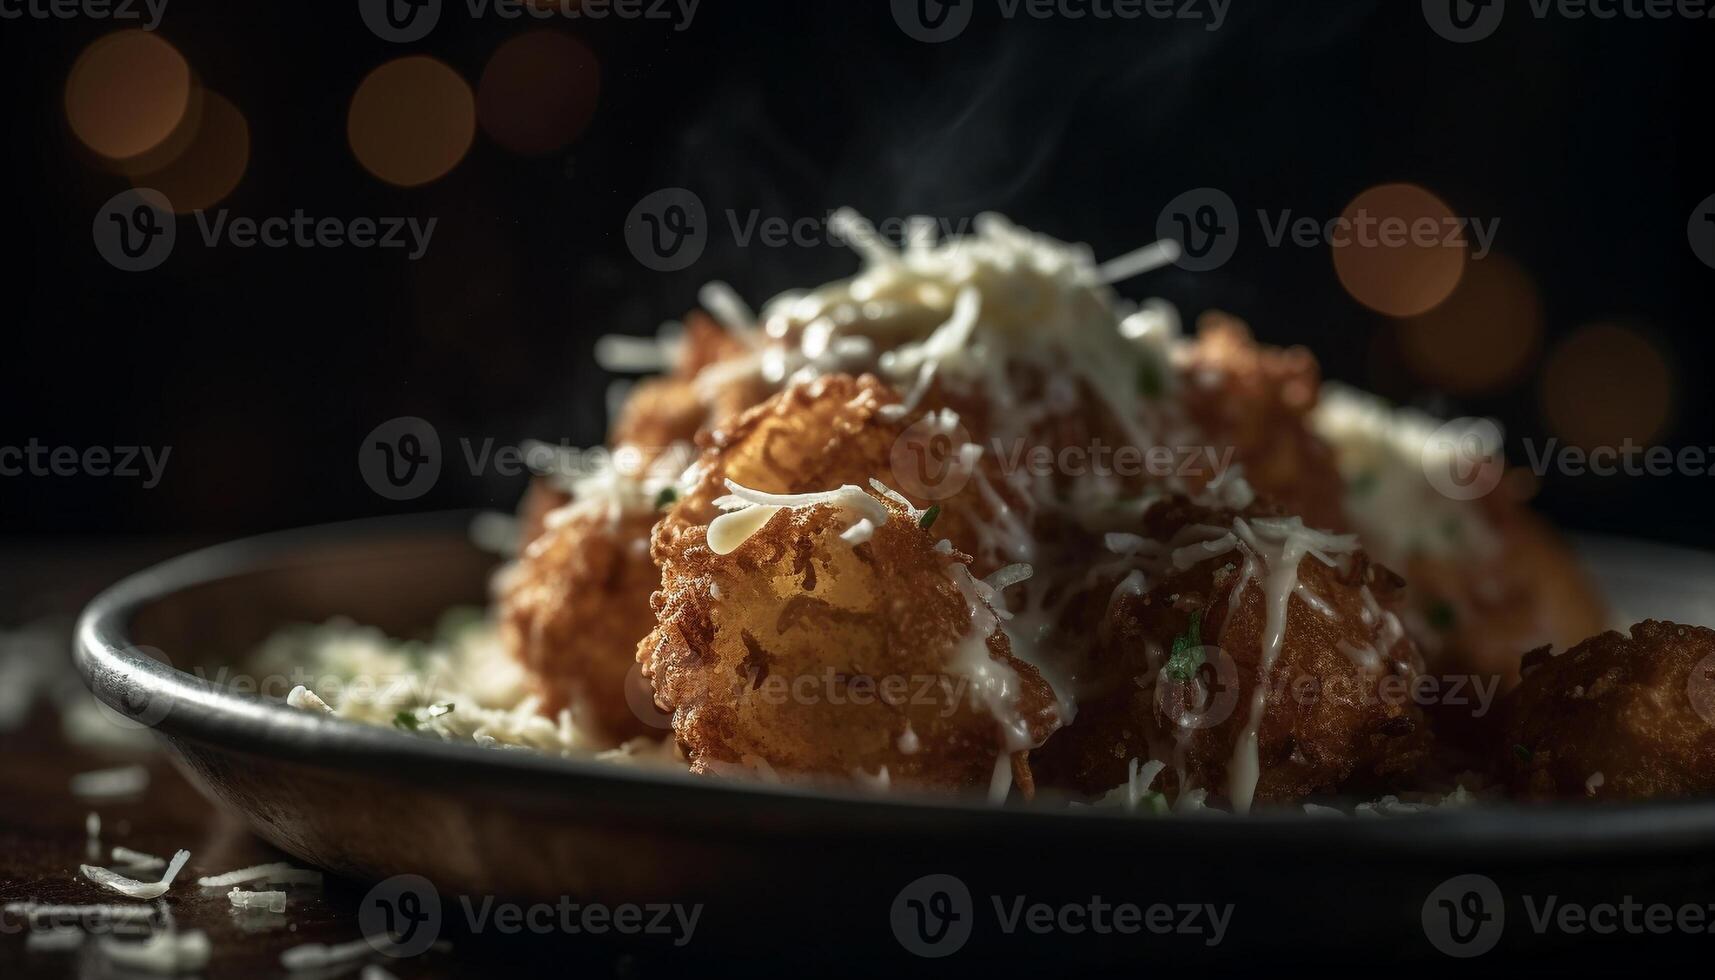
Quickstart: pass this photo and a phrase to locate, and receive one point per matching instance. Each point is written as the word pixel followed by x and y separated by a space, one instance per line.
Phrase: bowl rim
pixel 117 671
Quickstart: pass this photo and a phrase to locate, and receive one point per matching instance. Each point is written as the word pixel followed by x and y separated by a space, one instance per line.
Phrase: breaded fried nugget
pixel 573 610
pixel 801 652
pixel 829 432
pixel 1615 717
pixel 1183 646
pixel 1255 400
pixel 661 412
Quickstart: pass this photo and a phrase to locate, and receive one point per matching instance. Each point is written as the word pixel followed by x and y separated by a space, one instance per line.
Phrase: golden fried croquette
pixel 661 412
pixel 829 432
pixel 1179 655
pixel 1487 578
pixel 802 653
pixel 573 610
pixel 1615 717
pixel 1255 400
pixel 1527 589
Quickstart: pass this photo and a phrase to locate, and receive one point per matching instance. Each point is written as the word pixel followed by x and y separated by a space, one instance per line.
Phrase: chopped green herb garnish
pixel 406 721
pixel 438 710
pixel 1153 802
pixel 1151 378
pixel 666 497
pixel 928 519
pixel 1451 528
pixel 1441 616
pixel 1187 652
pixel 1365 483
pixel 1523 753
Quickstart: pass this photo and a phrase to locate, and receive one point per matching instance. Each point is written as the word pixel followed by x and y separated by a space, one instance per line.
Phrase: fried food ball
pixel 1615 717
pixel 1182 646
pixel 1487 577
pixel 1256 400
pixel 573 609
pixel 664 411
pixel 833 431
pixel 803 653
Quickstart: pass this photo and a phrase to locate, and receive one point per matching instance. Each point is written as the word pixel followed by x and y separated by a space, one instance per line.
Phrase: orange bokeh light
pixel 411 121
pixel 538 92
pixel 1484 336
pixel 126 93
pixel 1399 254
pixel 212 162
pixel 1606 384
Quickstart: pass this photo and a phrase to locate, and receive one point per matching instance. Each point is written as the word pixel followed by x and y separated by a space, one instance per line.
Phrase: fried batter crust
pixel 1327 724
pixel 804 654
pixel 1255 399
pixel 1615 717
pixel 573 609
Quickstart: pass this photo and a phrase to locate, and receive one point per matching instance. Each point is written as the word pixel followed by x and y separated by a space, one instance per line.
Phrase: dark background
pixel 264 368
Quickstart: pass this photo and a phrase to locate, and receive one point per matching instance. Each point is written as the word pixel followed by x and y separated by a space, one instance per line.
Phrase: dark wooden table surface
pixel 42 828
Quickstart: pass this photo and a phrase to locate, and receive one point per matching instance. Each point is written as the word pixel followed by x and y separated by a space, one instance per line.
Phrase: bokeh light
pixel 411 120
pixel 1607 383
pixel 126 93
pixel 538 92
pixel 212 162
pixel 1410 277
pixel 1484 336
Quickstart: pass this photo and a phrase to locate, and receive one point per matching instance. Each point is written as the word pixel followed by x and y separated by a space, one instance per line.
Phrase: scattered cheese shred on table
pixel 315 956
pixel 277 873
pixel 137 860
pixel 163 952
pixel 266 901
pixel 137 889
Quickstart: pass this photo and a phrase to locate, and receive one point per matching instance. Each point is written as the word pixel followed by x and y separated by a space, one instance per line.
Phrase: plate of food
pixel 961 588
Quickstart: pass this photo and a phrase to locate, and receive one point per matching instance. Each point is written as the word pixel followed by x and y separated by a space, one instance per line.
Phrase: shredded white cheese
pixel 137 889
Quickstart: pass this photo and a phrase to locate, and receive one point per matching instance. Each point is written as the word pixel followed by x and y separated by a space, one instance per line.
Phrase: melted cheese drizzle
pixel 1281 544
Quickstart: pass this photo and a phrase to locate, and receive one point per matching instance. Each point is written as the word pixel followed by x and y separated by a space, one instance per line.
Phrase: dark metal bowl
pixel 794 870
